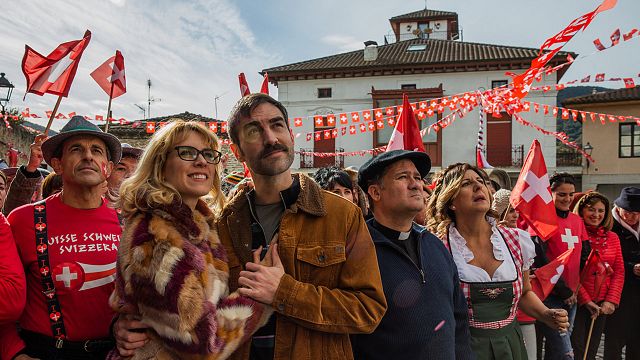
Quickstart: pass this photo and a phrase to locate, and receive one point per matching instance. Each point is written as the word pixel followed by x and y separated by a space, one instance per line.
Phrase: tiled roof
pixel 437 52
pixel 137 128
pixel 606 97
pixel 421 14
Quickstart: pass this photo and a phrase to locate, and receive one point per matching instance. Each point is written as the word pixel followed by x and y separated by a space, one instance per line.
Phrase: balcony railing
pixel 517 155
pixel 308 161
pixel 568 157
pixel 499 156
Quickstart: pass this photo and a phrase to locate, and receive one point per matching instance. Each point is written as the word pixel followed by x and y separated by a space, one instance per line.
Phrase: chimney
pixel 370 50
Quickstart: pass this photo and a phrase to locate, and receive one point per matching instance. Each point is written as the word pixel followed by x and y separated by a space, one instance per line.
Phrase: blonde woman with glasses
pixel 172 269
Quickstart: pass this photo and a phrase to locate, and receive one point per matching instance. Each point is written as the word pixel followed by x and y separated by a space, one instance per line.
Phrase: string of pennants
pixel 615 38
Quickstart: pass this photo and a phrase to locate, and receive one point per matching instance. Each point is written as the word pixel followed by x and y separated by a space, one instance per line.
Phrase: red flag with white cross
pixel 547 276
pixel 531 195
pixel 151 127
pixel 54 73
pixel 110 76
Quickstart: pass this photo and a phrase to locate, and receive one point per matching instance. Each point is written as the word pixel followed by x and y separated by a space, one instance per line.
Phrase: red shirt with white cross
pixel 571 233
pixel 83 247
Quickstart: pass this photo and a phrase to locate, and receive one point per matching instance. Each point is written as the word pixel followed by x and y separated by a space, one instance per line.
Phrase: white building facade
pixel 425 67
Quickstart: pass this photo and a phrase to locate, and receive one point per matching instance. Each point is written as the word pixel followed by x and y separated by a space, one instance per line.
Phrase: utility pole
pixel 215 102
pixel 150 99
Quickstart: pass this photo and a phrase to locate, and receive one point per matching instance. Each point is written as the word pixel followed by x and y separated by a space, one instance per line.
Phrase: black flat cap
pixel 377 164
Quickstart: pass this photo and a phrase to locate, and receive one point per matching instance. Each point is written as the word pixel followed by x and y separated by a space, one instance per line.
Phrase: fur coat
pixel 173 272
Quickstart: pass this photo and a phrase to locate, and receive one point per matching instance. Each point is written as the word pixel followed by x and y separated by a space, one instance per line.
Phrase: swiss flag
pixel 151 127
pixel 548 275
pixel 531 195
pixel 244 87
pixel 265 84
pixel 54 73
pixel 628 83
pixel 406 134
pixel 331 120
pixel 598 44
pixel 600 77
pixel 110 76
pixel 297 121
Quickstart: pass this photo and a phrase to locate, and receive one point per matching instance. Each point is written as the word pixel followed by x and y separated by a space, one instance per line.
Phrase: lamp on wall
pixel 6 88
pixel 588 148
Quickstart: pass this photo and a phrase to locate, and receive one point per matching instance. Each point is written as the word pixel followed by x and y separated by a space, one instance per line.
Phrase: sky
pixel 193 50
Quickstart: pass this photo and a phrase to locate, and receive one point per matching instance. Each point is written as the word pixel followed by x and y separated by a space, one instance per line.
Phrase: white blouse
pixel 462 255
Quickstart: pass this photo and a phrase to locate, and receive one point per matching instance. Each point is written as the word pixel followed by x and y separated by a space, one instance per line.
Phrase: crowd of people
pixel 125 253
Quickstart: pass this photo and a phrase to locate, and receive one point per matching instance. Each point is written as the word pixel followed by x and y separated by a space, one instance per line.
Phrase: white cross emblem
pixel 556 277
pixel 117 75
pixel 66 276
pixel 571 240
pixel 538 186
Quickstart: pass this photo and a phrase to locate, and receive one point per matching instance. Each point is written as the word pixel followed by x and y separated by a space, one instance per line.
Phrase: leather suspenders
pixel 48 286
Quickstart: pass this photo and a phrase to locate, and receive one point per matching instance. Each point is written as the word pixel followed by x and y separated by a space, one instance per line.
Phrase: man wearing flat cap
pixel 68 246
pixel 426 316
pixel 623 326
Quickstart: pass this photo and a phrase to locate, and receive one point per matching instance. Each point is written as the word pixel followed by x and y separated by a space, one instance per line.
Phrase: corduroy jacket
pixel 331 287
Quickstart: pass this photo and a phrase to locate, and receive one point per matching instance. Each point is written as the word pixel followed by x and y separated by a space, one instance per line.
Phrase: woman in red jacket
pixel 602 275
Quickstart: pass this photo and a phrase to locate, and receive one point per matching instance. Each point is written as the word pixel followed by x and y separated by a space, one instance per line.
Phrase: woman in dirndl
pixel 492 264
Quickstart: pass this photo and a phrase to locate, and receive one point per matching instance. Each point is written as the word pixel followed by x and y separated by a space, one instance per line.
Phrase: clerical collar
pixel 562 213
pixel 390 233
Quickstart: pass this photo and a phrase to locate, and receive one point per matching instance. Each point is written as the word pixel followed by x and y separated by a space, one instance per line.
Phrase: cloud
pixel 191 50
pixel 343 42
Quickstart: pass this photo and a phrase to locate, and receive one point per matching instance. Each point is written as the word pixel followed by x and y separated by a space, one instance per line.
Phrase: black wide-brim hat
pixel 130 151
pixel 629 199
pixel 377 164
pixel 78 125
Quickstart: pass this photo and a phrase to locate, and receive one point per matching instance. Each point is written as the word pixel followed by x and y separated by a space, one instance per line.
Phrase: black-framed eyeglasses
pixel 189 153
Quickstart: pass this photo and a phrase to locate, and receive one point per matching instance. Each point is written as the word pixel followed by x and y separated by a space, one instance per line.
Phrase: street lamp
pixel 588 148
pixel 6 88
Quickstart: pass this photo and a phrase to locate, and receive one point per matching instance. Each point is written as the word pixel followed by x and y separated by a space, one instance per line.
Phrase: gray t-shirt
pixel 269 217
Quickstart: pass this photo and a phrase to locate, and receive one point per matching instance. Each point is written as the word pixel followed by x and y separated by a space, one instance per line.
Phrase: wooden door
pixel 324 145
pixel 499 140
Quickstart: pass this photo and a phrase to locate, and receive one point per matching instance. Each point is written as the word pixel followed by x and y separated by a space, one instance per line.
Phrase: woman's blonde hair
pixel 448 184
pixel 590 199
pixel 147 188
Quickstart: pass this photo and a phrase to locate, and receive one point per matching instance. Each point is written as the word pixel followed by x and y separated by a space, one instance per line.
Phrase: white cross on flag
pixel 54 73
pixel 531 195
pixel 547 276
pixel 110 76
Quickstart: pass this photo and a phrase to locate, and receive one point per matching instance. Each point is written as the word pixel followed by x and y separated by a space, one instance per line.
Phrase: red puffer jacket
pixel 610 253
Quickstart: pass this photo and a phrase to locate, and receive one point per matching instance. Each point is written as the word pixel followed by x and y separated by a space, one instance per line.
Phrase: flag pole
pixel 106 127
pixel 593 319
pixel 53 115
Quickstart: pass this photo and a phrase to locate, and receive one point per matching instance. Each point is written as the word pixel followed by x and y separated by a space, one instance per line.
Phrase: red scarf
pixel 597 236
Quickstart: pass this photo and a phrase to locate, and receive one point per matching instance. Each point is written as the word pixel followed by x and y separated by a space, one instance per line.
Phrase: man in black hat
pixel 125 168
pixel 68 245
pixel 623 326
pixel 426 316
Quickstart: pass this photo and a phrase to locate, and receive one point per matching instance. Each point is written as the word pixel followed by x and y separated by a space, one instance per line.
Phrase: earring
pixel 453 207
